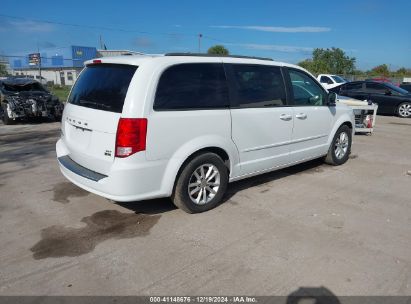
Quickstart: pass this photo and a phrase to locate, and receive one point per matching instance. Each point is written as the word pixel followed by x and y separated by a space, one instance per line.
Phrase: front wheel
pixel 404 110
pixel 6 119
pixel 340 148
pixel 201 184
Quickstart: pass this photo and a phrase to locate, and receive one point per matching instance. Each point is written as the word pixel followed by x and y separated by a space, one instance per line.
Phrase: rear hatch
pixel 92 113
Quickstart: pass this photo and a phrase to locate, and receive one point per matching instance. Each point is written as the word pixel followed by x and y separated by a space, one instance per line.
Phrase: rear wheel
pixel 404 110
pixel 6 119
pixel 201 184
pixel 340 148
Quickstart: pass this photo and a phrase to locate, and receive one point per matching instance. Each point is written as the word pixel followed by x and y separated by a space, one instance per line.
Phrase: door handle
pixel 285 117
pixel 301 116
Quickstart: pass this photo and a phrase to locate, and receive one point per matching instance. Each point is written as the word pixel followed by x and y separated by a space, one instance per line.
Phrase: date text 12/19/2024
pixel 204 299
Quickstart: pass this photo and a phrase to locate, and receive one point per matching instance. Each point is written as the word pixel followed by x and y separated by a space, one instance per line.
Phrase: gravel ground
pixel 346 229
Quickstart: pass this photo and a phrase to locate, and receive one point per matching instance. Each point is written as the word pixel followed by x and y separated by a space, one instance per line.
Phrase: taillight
pixel 131 136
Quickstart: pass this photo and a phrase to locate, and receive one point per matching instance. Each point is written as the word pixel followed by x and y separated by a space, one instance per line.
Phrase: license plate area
pixel 78 137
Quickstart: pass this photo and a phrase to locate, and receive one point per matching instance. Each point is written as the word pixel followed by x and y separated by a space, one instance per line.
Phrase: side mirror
pixel 388 92
pixel 332 99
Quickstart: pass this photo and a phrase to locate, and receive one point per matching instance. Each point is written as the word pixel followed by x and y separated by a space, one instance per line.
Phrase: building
pixel 59 66
pixel 110 53
pixel 4 61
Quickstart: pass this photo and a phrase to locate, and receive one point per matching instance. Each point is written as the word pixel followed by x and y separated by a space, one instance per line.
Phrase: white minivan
pixel 185 125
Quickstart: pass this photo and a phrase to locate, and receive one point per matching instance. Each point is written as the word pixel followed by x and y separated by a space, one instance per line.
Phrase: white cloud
pixel 272 47
pixel 276 29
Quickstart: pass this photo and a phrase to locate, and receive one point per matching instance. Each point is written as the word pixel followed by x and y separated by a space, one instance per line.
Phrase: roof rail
pixel 216 55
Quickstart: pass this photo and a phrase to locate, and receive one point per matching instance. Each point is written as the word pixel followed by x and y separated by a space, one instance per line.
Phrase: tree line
pixel 333 61
pixel 323 61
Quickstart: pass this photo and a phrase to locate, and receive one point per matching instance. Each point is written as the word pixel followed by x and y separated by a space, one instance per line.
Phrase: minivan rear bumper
pixel 74 167
pixel 124 183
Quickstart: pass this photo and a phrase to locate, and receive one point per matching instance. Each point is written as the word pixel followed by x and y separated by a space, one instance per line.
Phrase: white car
pixel 184 126
pixel 330 81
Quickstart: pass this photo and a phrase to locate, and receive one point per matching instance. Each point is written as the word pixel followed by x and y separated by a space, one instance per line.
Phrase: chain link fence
pixel 395 80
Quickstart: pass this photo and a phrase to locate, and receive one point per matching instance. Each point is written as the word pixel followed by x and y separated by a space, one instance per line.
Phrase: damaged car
pixel 25 98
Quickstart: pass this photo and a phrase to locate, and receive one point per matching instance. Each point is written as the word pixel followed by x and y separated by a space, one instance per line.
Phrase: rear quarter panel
pixel 176 135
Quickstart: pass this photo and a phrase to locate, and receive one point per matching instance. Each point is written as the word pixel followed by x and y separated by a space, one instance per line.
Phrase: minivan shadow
pixel 153 206
pixel 163 205
pixel 307 167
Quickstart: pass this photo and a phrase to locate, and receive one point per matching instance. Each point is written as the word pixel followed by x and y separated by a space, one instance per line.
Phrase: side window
pixel 375 88
pixel 192 86
pixel 354 86
pixel 325 79
pixel 257 85
pixel 305 90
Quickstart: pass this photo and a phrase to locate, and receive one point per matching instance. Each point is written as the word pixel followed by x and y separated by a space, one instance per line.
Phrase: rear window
pixel 103 87
pixel 192 86
pixel 375 88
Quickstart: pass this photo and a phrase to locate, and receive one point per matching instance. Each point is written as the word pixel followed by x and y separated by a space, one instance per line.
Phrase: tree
pixel 330 61
pixel 402 72
pixel 306 64
pixel 380 70
pixel 359 73
pixel 218 50
pixel 3 71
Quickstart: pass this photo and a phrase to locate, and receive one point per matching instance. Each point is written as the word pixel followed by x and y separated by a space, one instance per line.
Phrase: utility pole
pixel 199 42
pixel 39 62
pixel 101 43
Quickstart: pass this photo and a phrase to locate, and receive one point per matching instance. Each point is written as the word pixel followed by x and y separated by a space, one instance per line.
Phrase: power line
pixel 110 28
pixel 94 27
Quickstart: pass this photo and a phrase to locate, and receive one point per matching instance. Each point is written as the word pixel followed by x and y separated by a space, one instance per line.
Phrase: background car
pixel 40 79
pixel 390 98
pixel 406 86
pixel 329 81
pixel 383 79
pixel 22 98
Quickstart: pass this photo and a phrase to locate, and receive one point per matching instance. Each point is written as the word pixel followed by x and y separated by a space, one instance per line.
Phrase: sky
pixel 375 32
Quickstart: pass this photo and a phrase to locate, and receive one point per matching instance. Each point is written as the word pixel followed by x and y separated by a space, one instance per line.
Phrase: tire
pixel 192 178
pixel 6 119
pixel 340 147
pixel 404 110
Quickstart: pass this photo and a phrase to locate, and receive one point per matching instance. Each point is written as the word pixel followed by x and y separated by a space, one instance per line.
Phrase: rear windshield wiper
pixel 95 104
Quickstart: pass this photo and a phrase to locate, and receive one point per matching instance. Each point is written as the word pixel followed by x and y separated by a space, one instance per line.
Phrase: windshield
pixel 102 86
pixel 338 79
pixel 395 88
pixel 35 86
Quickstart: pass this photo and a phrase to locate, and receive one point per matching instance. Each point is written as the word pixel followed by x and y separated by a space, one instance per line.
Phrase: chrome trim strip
pixel 285 143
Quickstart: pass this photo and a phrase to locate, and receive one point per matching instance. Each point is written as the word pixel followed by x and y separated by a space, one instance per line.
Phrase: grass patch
pixel 61 92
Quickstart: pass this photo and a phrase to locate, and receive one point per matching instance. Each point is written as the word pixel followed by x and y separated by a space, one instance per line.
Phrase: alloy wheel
pixel 203 184
pixel 341 145
pixel 405 110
